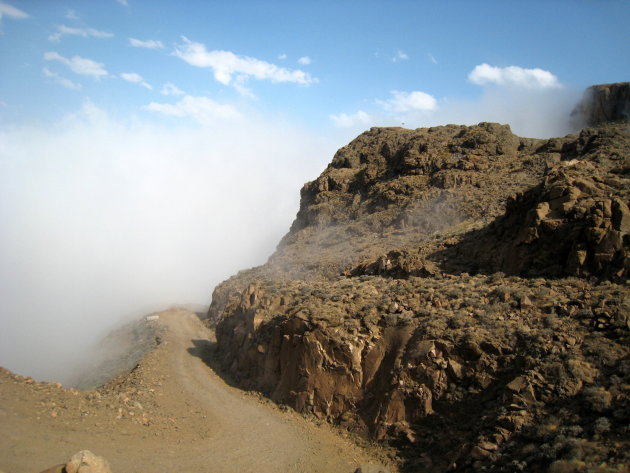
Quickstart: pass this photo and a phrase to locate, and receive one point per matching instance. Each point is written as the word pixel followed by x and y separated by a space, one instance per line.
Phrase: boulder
pixel 82 462
pixel 86 462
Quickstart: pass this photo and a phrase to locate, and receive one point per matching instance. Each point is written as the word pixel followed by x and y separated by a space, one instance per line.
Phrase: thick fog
pixel 103 221
pixel 532 113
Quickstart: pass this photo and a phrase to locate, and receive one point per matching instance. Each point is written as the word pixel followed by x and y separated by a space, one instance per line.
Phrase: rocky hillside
pixel 458 292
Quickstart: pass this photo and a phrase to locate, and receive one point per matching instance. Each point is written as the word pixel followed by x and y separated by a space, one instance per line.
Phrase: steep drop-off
pixel 603 103
pixel 459 292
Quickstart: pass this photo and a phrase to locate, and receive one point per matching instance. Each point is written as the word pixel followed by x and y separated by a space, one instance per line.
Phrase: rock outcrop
pixel 400 186
pixel 603 104
pixel 575 222
pixel 459 292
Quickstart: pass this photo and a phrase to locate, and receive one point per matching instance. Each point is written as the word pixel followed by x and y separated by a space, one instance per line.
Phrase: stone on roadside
pixel 83 462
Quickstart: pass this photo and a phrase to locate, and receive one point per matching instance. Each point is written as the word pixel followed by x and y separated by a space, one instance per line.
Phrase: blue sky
pixel 151 149
pixel 338 57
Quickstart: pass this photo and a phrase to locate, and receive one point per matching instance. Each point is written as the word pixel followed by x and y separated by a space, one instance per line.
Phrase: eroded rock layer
pixel 457 291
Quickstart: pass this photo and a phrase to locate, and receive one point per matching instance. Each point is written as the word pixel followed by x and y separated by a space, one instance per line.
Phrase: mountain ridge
pixel 448 290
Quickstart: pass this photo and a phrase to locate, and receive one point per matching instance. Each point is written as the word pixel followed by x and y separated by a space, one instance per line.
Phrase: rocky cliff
pixel 459 292
pixel 603 103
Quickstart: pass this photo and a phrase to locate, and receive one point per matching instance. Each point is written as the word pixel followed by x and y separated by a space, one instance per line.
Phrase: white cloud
pixel 345 121
pixel 305 60
pixel 63 30
pixel 200 109
pixel 149 44
pixel 171 89
pixel 136 79
pixel 12 12
pixel 123 3
pixel 400 56
pixel 432 58
pixel 61 80
pixel 226 64
pixel 72 15
pixel 403 102
pixel 239 85
pixel 282 56
pixel 78 64
pixel 513 76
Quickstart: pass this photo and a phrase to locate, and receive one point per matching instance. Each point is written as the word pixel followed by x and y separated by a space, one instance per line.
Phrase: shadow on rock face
pixel 206 351
pixel 575 223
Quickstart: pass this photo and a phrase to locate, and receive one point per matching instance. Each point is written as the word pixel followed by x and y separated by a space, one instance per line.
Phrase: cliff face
pixel 458 291
pixel 602 104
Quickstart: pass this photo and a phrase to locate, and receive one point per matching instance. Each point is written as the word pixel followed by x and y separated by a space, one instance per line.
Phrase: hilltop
pixel 458 292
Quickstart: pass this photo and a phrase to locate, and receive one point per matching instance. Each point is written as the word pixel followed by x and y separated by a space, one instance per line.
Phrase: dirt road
pixel 172 413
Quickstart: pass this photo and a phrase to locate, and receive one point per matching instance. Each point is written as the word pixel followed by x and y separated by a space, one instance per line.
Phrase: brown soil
pixel 171 413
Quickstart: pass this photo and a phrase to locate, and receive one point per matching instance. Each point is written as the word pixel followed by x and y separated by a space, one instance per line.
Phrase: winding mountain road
pixel 172 413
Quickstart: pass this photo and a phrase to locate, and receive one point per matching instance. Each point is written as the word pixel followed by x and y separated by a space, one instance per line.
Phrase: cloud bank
pixel 532 101
pixel 202 110
pixel 104 219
